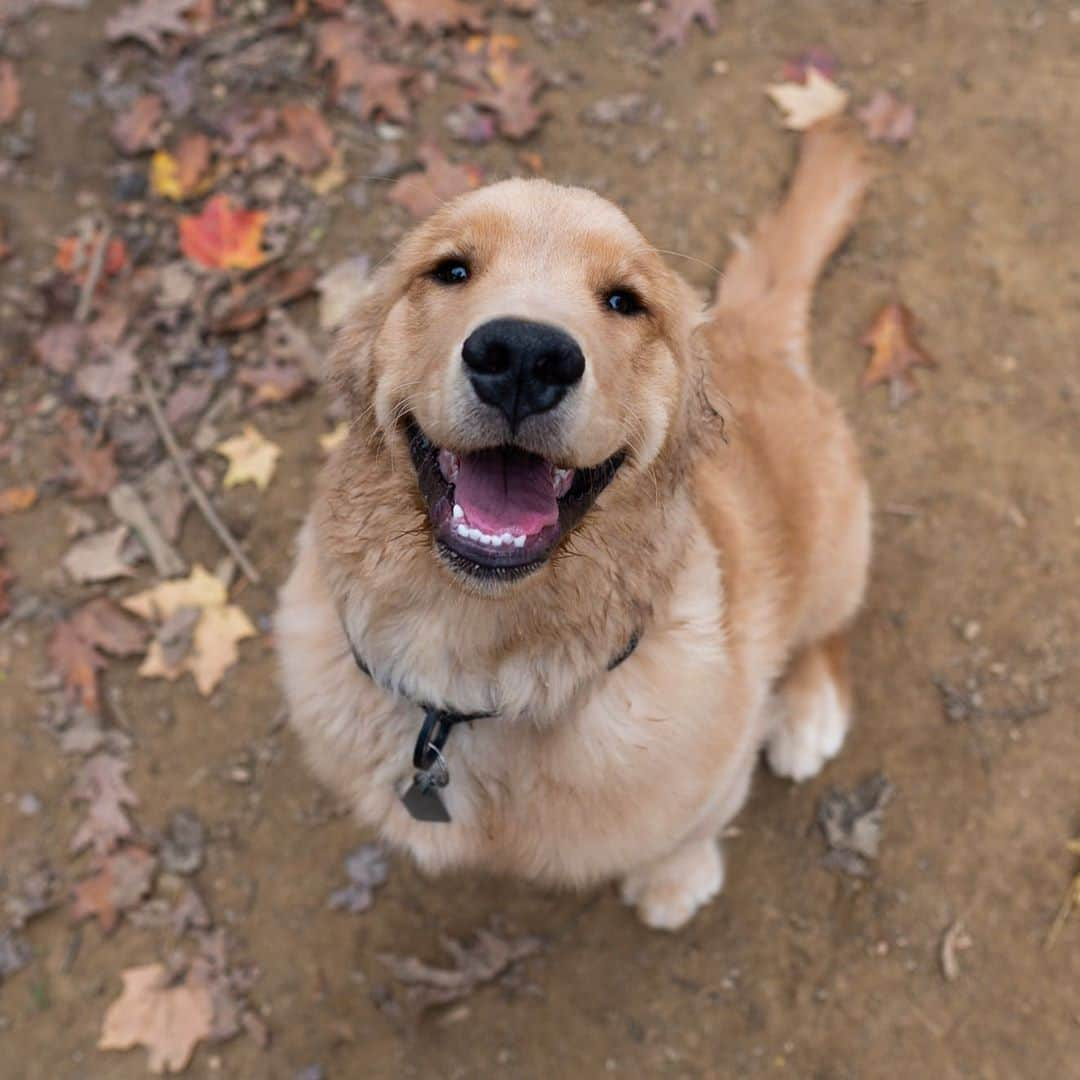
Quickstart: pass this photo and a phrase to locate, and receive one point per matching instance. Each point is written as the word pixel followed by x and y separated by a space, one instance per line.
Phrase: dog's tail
pixel 768 283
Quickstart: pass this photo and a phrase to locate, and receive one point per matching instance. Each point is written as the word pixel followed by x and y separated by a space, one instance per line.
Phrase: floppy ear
pixel 350 372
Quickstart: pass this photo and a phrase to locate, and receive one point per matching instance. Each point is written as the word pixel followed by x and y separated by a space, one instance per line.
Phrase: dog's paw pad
pixel 669 894
pixel 802 743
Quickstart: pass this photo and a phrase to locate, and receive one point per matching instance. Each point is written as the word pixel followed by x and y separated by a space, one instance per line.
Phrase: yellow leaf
pixel 333 439
pixel 201 589
pixel 805 105
pixel 251 457
pixel 214 649
pixel 165 176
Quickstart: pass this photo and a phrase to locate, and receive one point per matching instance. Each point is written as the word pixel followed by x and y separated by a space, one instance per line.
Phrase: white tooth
pixel 458 512
pixel 507 538
pixel 463 530
pixel 519 541
pixel 485 539
pixel 496 541
pixel 474 534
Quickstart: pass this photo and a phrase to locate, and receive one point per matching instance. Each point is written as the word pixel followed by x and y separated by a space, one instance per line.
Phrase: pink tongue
pixel 506 491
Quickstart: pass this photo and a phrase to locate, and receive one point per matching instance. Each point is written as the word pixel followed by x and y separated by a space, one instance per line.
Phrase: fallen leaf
pixel 98 557
pixel 58 347
pixel 340 289
pixel 333 439
pixel 246 303
pixel 672 23
pixel 512 100
pixel 887 119
pixel 223 237
pixel 817 57
pixel 213 642
pixel 367 868
pixel 10 92
pixel 435 15
pixel 136 129
pixel 486 959
pixel 74 254
pixel 106 626
pixel 92 468
pixel 14 500
pixel 114 377
pixel 252 458
pixel 185 174
pixel 77 663
pixel 273 383
pixel 101 783
pixel 169 1019
pixel 805 105
pixel 344 46
pixel 895 352
pixel 307 142
pixel 851 824
pixel 422 193
pixel 150 21
pixel 119 884
pixel 468 124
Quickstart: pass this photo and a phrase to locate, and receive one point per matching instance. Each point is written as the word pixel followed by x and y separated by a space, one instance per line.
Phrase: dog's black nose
pixel 521 368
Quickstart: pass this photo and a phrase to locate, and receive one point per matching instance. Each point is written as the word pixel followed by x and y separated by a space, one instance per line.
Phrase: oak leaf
pixel 137 129
pixel 91 467
pixel 149 21
pixel 346 48
pixel 101 784
pixel 223 237
pixel 805 105
pixel 895 352
pixel 120 883
pixel 512 100
pixel 422 193
pixel 672 23
pixel 435 15
pixel 307 143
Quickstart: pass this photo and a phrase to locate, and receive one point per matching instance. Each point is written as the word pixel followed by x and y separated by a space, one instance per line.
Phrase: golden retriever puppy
pixel 586 548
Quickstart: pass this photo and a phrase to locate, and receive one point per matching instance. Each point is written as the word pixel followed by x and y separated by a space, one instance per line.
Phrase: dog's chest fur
pixel 580 773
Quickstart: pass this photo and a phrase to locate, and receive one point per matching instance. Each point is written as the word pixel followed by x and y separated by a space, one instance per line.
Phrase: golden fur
pixel 735 539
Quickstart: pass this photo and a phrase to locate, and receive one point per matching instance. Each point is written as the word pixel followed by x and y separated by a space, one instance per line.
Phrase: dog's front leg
pixel 668 892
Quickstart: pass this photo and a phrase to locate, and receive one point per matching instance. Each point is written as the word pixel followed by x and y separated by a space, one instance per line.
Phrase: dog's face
pixel 528 349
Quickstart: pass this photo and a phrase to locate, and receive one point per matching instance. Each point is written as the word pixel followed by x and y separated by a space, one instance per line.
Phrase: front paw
pixel 668 893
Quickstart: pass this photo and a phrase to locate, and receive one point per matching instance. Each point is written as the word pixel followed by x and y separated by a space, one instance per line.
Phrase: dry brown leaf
pixel 851 824
pixel 58 347
pixel 14 500
pixel 170 1020
pixel 246 303
pixel 150 21
pixel 307 142
pixel 113 377
pixel 10 92
pixel 136 130
pixel 887 119
pixel 424 192
pixel 91 468
pixel 512 100
pixel 435 15
pixel 895 352
pixel 120 883
pixel 98 557
pixel 77 663
pixel 101 784
pixel 672 23
pixel 108 627
pixel 807 104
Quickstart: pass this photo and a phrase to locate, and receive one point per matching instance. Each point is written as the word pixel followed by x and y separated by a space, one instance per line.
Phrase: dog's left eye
pixel 624 302
pixel 451 272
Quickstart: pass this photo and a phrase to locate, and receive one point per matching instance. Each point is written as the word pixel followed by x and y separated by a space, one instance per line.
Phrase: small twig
pixel 202 501
pixel 93 276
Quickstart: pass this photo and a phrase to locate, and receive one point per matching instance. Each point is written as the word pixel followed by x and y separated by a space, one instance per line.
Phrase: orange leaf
pixel 896 352
pixel 15 499
pixel 223 237
pixel 73 255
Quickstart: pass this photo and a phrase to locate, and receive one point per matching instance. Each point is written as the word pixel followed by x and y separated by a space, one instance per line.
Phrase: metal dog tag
pixel 423 800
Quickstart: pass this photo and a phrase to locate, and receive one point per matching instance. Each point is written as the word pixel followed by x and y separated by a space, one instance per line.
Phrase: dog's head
pixel 528 351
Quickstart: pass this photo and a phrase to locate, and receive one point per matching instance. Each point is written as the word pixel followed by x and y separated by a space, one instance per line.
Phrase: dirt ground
pixel 795 970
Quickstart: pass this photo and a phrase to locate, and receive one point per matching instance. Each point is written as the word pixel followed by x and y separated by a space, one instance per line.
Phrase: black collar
pixel 422 799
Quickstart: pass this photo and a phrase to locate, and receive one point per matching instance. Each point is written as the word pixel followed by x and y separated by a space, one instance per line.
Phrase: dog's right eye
pixel 451 272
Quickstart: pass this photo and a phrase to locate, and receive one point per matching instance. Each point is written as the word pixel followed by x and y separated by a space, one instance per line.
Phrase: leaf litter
pixel 851 824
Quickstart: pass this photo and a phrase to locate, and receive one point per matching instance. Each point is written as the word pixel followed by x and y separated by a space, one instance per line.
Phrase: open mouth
pixel 500 512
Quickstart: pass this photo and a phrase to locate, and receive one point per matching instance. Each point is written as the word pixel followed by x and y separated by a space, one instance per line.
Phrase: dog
pixel 587 548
